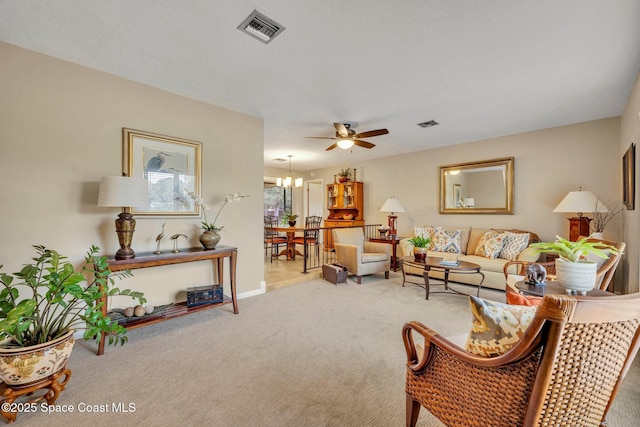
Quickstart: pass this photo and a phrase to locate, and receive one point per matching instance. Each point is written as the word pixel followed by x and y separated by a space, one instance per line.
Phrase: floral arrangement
pixel 206 225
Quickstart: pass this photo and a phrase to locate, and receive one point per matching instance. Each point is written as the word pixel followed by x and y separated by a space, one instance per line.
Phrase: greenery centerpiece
pixel 574 271
pixel 289 218
pixel 46 301
pixel 420 247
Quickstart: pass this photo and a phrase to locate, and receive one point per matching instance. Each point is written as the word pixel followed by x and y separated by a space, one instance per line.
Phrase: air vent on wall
pixel 428 124
pixel 259 26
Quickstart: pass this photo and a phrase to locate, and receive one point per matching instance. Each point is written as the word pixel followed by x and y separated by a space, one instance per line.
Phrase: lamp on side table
pixel 392 205
pixel 124 192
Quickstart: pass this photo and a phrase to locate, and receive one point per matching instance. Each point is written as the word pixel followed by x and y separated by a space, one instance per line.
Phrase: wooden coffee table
pixel 433 263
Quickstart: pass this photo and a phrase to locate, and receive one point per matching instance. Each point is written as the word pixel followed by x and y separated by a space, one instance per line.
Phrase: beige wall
pixel 630 132
pixel 548 164
pixel 60 132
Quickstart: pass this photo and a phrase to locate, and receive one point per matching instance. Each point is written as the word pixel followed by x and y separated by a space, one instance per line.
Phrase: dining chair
pixel 311 234
pixel 272 238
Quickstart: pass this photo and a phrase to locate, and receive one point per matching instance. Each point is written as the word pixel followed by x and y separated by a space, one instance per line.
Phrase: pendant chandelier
pixel 289 181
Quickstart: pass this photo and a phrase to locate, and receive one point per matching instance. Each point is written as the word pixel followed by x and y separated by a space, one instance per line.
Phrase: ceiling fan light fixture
pixel 345 144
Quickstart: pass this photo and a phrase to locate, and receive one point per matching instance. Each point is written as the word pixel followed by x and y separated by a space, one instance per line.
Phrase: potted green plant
pixel 290 219
pixel 344 174
pixel 573 270
pixel 43 304
pixel 420 247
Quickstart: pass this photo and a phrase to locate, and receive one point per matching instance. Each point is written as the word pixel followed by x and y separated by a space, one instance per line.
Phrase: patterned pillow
pixel 496 327
pixel 515 243
pixel 488 235
pixel 446 240
pixel 424 232
pixel 493 246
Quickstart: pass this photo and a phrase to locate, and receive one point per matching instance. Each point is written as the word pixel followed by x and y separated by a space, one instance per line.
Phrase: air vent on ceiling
pixel 259 26
pixel 428 124
pixel 279 159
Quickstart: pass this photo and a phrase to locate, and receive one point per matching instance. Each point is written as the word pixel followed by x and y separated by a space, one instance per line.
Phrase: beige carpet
pixel 313 354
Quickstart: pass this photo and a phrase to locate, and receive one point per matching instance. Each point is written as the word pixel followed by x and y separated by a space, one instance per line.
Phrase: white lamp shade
pixel 581 201
pixel 392 205
pixel 469 202
pixel 123 191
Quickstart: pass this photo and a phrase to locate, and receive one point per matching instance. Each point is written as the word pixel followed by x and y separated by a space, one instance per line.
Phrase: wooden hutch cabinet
pixel 346 209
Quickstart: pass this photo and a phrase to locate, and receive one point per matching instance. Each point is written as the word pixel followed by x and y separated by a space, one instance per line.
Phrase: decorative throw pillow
pixel 496 327
pixel 424 232
pixel 493 246
pixel 515 243
pixel 446 240
pixel 514 298
pixel 488 235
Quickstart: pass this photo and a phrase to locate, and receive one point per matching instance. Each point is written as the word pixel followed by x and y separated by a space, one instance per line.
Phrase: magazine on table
pixel 449 261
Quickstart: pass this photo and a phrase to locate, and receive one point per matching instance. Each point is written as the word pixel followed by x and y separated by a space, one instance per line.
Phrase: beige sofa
pixel 469 239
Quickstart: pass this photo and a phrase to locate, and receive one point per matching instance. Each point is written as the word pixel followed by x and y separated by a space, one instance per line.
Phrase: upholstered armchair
pixel 565 369
pixel 359 256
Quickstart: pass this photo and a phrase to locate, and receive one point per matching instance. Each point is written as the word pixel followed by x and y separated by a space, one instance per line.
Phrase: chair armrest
pixel 529 255
pixel 348 255
pixel 377 247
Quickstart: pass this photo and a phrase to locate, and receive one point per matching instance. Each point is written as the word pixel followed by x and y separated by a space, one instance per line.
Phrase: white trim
pixel 248 294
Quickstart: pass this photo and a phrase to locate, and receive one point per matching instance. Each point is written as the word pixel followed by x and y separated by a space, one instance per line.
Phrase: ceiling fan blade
pixel 331 147
pixel 371 133
pixel 363 144
pixel 320 137
pixel 341 129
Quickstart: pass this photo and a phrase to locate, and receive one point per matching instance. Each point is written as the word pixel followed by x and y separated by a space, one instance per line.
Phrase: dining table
pixel 291 250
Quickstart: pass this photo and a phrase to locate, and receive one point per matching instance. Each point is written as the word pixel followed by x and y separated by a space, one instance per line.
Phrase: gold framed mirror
pixel 484 187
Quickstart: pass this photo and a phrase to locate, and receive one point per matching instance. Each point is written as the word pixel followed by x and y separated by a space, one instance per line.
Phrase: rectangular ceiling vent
pixel 428 124
pixel 259 26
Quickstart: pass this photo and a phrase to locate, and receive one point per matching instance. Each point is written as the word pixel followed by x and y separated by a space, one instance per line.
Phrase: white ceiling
pixel 480 68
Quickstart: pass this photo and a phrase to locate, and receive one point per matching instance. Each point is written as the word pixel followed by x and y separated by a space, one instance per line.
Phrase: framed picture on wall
pixel 629 177
pixel 457 195
pixel 171 165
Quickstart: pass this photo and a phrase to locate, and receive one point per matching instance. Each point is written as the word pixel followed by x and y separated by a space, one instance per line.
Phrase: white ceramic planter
pixel 576 276
pixel 25 366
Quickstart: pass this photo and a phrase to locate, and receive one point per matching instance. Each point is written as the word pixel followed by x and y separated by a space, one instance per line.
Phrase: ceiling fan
pixel 347 137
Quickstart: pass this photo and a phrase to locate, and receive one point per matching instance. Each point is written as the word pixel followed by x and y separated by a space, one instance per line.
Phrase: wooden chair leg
pixel 413 410
pixel 386 274
pixel 359 280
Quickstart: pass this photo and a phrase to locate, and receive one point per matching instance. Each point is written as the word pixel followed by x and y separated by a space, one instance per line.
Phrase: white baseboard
pixel 248 294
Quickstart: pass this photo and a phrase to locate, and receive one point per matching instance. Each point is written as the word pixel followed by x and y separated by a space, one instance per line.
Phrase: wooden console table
pixel 148 259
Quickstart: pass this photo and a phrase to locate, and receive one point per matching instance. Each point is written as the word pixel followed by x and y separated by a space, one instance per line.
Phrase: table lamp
pixel 392 205
pixel 579 202
pixel 124 192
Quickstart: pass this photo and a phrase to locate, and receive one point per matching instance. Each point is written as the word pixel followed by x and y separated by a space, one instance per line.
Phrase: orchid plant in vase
pixel 210 228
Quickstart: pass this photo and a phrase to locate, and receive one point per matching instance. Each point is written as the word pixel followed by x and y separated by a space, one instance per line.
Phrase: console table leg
pixel 232 276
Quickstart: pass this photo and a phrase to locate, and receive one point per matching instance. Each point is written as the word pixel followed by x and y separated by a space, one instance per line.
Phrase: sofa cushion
pixel 373 257
pixel 486 264
pixel 515 243
pixel 496 327
pixel 446 240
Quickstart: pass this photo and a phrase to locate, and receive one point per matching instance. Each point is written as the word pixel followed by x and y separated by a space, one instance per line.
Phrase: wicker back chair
pixel 606 271
pixel 564 371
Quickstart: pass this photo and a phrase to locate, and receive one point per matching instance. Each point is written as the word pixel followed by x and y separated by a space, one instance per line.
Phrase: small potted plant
pixel 420 247
pixel 44 303
pixel 290 219
pixel 344 174
pixel 573 270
